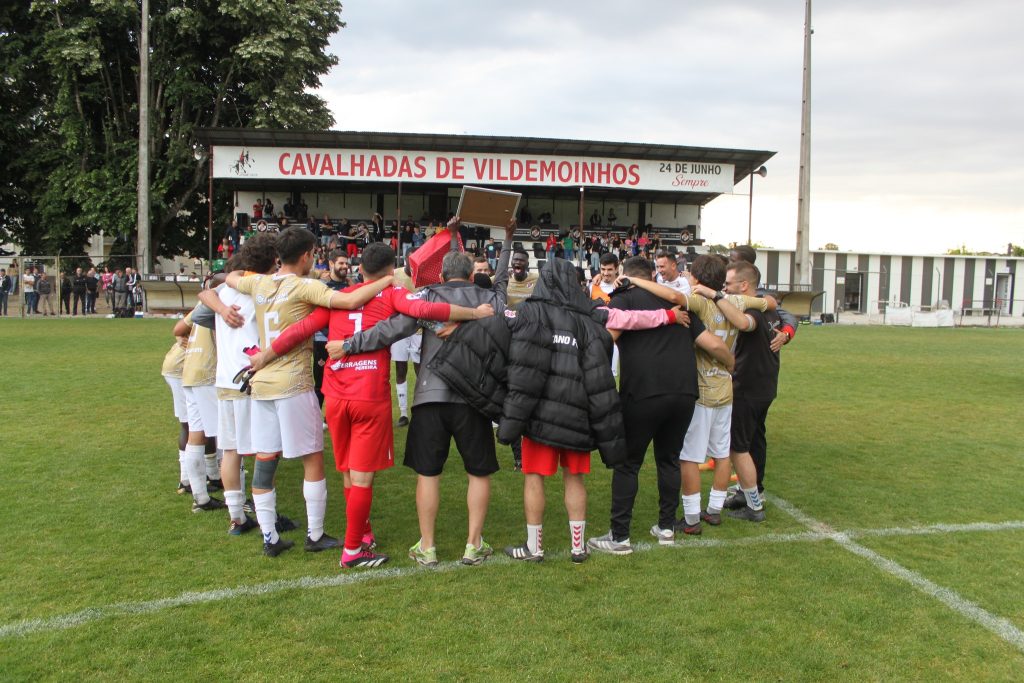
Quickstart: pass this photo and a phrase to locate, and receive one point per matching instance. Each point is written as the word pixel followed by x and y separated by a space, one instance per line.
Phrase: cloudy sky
pixel 918 121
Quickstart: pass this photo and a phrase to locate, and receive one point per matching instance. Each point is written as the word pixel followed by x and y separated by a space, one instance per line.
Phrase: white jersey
pixel 232 340
pixel 680 284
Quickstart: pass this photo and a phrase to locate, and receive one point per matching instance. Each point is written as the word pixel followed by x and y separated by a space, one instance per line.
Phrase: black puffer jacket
pixel 560 386
pixel 473 362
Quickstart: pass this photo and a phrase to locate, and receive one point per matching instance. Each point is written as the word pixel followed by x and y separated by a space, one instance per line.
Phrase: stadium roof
pixel 744 160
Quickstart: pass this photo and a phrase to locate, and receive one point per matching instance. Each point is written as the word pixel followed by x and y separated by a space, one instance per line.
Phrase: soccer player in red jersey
pixel 357 391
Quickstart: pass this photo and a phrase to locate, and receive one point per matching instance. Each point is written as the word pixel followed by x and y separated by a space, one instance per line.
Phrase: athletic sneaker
pixel 474 555
pixel 522 552
pixel 736 501
pixel 275 549
pixel 402 422
pixel 364 558
pixel 369 541
pixel 579 557
pixel 284 524
pixel 664 536
pixel 239 528
pixel 689 529
pixel 607 544
pixel 214 484
pixel 712 518
pixel 212 504
pixel 249 507
pixel 184 488
pixel 426 557
pixel 748 513
pixel 322 543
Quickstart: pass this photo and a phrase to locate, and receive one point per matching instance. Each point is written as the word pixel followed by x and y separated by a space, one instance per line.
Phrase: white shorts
pixel 407 349
pixel 202 409
pixel 178 392
pixel 234 425
pixel 708 434
pixel 292 426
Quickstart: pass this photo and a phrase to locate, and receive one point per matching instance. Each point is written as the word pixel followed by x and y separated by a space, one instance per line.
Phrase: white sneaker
pixel 607 544
pixel 325 426
pixel 664 536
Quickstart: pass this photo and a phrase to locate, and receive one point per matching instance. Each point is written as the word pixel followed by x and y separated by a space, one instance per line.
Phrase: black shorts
pixel 430 433
pixel 747 414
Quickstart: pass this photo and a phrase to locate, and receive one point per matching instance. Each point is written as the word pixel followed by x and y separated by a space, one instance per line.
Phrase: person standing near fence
pixel 78 289
pixel 44 290
pixel 65 293
pixel 5 290
pixel 28 285
pixel 92 285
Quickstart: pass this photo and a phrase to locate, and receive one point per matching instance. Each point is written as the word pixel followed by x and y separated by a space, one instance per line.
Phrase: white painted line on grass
pixel 819 532
pixel 998 625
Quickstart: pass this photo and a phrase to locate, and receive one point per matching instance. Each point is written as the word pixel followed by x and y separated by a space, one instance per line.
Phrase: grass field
pixel 907 440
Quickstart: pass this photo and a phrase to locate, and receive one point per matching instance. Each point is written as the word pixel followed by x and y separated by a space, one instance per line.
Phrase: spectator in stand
pixel 612 217
pixel 257 210
pixel 525 217
pixel 268 208
pixel 28 285
pixel 377 228
pixel 233 235
pixel 491 254
pixel 225 249
pixel 288 209
pixel 417 238
pixel 321 265
pixel 595 219
pixel 92 287
pixel 544 218
pixel 65 293
pixel 643 241
pixel 551 246
pixel 362 236
pixel 44 289
pixel 78 289
pixel 406 241
pixel 303 210
pixel 5 290
pixel 393 242
pixel 282 221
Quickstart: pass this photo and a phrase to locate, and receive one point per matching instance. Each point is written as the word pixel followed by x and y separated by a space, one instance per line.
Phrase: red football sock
pixel 357 511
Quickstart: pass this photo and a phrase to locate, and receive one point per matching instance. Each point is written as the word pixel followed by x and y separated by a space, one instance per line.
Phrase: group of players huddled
pixel 528 353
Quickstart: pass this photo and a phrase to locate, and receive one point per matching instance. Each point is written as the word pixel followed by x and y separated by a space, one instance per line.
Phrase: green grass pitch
pixel 882 433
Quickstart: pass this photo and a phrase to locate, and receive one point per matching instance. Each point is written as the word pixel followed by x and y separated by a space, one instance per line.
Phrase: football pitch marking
pixel 818 532
pixel 950 598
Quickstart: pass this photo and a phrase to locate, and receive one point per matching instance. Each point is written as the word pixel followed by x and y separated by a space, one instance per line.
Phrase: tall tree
pixel 69 119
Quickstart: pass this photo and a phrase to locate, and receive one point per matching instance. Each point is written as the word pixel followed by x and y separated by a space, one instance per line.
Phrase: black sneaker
pixel 403 421
pixel 712 518
pixel 323 543
pixel 736 501
pixel 284 524
pixel 212 504
pixel 214 484
pixel 239 528
pixel 249 507
pixel 689 529
pixel 184 488
pixel 275 549
pixel 522 552
pixel 748 513
pixel 579 557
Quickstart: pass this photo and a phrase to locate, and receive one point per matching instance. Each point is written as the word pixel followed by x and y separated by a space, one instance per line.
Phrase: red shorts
pixel 545 460
pixel 361 434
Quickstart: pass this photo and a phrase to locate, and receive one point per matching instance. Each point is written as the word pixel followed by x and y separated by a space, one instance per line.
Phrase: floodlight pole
pixel 763 171
pixel 142 208
pixel 801 265
pixel 209 208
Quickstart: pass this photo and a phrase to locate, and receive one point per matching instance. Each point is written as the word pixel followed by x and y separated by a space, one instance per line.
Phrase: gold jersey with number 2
pixel 282 300
pixel 713 380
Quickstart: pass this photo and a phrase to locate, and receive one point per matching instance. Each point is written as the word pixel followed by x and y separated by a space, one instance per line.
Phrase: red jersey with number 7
pixel 366 376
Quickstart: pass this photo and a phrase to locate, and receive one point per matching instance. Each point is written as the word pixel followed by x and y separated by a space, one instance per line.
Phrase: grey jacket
pixel 429 387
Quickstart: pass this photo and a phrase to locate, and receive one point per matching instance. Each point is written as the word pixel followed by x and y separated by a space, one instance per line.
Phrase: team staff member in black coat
pixel 78 288
pixel 658 390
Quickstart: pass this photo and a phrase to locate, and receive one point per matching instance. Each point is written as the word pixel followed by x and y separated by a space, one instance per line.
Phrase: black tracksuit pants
pixel 664 420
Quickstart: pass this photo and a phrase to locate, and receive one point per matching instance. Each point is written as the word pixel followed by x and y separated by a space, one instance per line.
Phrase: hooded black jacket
pixel 560 386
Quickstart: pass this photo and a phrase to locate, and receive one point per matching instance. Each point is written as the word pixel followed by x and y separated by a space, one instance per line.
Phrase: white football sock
pixel 753 498
pixel 691 508
pixel 235 500
pixel 266 515
pixel 182 468
pixel 194 454
pixel 716 501
pixel 315 493
pixel 241 479
pixel 535 537
pixel 212 468
pixel 576 529
pixel 403 398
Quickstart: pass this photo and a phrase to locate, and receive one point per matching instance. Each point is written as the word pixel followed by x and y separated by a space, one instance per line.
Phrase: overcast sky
pixel 918 121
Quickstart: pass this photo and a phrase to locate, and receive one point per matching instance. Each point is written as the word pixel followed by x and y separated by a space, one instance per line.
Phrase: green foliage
pixel 69 108
pixel 831 246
